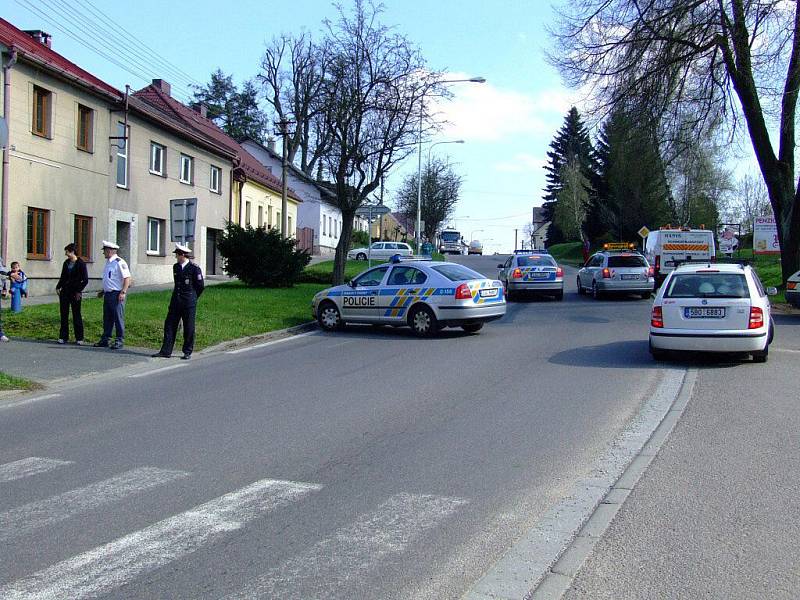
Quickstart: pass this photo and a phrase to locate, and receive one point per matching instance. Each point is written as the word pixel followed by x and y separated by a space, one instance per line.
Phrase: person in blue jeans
pixel 18 286
pixel 116 279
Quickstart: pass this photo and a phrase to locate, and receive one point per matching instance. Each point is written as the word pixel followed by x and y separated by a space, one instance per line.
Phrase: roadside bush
pixel 261 257
pixel 360 239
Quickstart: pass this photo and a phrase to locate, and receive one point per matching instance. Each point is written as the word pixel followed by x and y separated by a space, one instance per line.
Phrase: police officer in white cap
pixel 183 304
pixel 116 279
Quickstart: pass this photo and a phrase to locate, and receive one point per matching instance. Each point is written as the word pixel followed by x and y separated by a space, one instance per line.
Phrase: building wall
pixel 52 174
pixel 256 196
pixel 148 196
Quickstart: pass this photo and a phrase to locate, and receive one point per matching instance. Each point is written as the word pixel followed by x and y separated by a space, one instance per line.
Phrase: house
pixel 318 210
pixel 55 169
pixel 393 226
pixel 539 228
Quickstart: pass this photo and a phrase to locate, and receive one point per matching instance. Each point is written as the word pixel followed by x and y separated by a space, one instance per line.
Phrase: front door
pixel 211 251
pixel 403 287
pixel 360 302
pixel 124 241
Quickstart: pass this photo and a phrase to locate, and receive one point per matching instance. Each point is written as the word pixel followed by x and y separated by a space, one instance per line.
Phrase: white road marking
pixel 353 551
pixel 265 344
pixel 117 563
pixel 24 519
pixel 27 467
pixel 28 401
pixel 161 370
pixel 790 350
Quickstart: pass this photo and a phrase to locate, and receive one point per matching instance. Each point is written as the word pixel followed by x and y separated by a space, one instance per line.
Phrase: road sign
pixel 182 213
pixel 643 232
pixel 372 211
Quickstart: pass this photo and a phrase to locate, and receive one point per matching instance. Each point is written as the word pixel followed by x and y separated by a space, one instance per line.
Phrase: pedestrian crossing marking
pixel 24 519
pixel 108 567
pixel 28 467
pixel 354 550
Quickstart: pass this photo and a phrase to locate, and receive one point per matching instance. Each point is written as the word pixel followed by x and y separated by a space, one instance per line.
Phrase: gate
pixel 305 239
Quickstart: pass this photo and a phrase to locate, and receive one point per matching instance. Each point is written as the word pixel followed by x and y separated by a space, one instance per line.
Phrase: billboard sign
pixel 765 236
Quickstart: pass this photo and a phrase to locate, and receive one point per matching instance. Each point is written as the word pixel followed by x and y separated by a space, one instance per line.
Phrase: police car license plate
pixel 630 276
pixel 704 313
pixel 489 293
pixel 540 275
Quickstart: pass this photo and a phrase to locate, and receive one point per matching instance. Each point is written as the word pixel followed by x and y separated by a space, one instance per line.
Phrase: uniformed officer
pixel 183 304
pixel 116 279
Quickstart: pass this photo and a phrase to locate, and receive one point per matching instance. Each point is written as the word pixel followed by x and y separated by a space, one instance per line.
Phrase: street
pixel 370 464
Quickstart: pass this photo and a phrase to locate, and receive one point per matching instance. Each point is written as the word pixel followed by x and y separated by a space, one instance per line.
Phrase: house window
pixel 157 159
pixel 260 216
pixel 324 222
pixel 42 106
pixel 38 230
pixel 122 155
pixel 85 128
pixel 187 169
pixel 289 226
pixel 215 184
pixel 278 222
pixel 83 237
pixel 155 229
pixel 247 214
pixel 269 217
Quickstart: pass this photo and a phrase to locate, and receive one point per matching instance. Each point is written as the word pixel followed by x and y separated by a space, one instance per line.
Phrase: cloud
pixel 521 163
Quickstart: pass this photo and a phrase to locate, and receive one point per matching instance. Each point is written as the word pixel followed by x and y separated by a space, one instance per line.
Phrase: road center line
pixel 27 467
pixel 108 567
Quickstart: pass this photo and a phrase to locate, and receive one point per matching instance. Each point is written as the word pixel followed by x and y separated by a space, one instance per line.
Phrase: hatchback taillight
pixel 463 292
pixel 559 272
pixel 657 317
pixel 651 272
pixel 756 318
pixel 657 265
pixel 606 274
pixel 516 274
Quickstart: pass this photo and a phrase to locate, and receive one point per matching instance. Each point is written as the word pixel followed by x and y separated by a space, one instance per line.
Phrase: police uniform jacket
pixel 188 283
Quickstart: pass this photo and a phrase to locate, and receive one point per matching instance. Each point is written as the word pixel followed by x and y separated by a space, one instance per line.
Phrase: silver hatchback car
pixel 621 272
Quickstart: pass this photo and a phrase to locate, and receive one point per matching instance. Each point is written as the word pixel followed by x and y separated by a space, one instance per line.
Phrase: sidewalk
pixel 716 513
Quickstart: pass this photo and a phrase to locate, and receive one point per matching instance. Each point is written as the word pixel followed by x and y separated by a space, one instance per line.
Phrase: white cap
pixel 107 244
pixel 181 248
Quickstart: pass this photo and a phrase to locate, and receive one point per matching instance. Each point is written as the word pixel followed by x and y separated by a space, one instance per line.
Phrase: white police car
pixel 425 295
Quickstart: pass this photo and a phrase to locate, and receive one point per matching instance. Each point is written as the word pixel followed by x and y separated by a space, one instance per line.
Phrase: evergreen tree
pixel 236 112
pixel 571 145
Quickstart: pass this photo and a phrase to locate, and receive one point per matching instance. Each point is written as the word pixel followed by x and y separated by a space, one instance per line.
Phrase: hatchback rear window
pixel 626 261
pixel 707 285
pixel 535 261
pixel 456 272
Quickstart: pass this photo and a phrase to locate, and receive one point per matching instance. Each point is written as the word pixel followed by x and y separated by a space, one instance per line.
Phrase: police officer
pixel 183 304
pixel 116 279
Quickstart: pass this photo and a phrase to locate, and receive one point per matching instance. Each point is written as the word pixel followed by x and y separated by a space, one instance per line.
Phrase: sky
pixel 506 123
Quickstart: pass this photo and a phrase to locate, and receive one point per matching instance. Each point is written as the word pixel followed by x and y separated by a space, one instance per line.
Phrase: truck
pixel 450 242
pixel 669 246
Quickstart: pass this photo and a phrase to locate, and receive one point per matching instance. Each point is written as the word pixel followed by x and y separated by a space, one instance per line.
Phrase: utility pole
pixel 284 132
pixel 515 238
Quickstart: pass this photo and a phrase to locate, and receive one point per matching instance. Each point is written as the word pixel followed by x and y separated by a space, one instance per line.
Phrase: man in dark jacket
pixel 74 278
pixel 182 306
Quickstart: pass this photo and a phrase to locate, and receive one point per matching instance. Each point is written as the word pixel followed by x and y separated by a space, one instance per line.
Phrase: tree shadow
pixel 634 354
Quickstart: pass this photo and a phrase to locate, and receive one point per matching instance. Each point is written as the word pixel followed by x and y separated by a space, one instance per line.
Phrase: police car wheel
pixel 423 322
pixel 595 291
pixel 361 256
pixel 581 291
pixel 329 317
pixel 472 327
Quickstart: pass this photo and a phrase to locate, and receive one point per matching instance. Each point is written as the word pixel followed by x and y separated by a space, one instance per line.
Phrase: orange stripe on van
pixel 687 247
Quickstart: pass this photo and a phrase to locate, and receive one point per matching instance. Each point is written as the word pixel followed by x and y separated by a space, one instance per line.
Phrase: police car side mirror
pixel 351 283
pixel 772 291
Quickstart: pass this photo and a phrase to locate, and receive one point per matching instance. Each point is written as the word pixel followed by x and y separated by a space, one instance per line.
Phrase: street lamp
pixel 472 234
pixel 419 157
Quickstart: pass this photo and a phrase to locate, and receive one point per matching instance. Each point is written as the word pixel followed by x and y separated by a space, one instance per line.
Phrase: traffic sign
pixel 373 211
pixel 643 232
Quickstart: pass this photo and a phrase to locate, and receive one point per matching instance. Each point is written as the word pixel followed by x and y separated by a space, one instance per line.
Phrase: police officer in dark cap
pixel 183 304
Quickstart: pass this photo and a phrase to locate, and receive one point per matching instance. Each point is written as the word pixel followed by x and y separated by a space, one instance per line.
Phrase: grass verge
pixel 225 312
pixel 322 272
pixel 569 252
pixel 9 382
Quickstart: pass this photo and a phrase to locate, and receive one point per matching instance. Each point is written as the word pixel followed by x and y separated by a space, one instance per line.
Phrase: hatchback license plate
pixel 630 277
pixel 704 313
pixel 489 293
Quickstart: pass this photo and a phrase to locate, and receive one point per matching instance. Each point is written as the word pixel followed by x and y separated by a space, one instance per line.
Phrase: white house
pixel 318 210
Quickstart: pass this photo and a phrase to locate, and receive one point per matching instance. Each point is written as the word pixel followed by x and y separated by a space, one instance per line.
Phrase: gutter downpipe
pixel 6 152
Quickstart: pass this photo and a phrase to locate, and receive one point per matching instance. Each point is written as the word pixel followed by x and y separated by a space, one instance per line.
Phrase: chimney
pixel 201 109
pixel 163 86
pixel 271 144
pixel 40 36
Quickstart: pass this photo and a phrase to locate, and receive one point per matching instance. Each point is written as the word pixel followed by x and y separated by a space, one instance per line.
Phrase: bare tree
pixel 293 71
pixel 376 87
pixel 751 200
pixel 440 193
pixel 697 63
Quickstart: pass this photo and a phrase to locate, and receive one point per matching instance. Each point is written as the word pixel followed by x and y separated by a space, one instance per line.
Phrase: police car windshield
pixel 535 261
pixel 456 272
pixel 623 261
pixel 707 285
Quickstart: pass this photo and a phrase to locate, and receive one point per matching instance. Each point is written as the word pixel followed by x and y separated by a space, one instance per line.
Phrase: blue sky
pixel 507 122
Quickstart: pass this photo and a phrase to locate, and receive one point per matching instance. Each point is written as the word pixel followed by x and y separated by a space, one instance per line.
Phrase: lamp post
pixel 419 156
pixel 473 232
pixel 418 232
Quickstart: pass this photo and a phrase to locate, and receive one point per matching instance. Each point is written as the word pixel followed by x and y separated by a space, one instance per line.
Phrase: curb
pixel 260 338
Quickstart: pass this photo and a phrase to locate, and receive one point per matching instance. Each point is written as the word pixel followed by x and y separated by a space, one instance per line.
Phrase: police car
pixel 424 295
pixel 532 271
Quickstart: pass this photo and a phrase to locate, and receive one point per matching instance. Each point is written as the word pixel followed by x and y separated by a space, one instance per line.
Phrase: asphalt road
pixel 360 464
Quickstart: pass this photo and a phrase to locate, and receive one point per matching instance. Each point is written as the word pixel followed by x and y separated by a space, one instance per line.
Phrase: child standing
pixel 18 286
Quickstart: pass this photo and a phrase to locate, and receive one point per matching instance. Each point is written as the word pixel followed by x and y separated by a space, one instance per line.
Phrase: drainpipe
pixel 6 152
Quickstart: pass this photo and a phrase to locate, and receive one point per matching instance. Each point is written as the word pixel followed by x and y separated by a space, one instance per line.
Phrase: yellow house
pixel 394 227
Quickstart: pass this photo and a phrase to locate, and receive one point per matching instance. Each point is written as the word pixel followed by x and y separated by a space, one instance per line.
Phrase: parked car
pixel 793 290
pixel 423 295
pixel 380 251
pixel 620 272
pixel 712 308
pixel 475 247
pixel 531 272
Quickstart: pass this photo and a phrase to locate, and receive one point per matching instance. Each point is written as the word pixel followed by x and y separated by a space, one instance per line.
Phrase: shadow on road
pixel 634 354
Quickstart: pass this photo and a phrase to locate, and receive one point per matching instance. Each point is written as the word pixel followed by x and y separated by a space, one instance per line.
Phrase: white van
pixel 668 247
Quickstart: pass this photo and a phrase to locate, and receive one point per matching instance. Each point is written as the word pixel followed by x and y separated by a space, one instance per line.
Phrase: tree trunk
pixel 340 259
